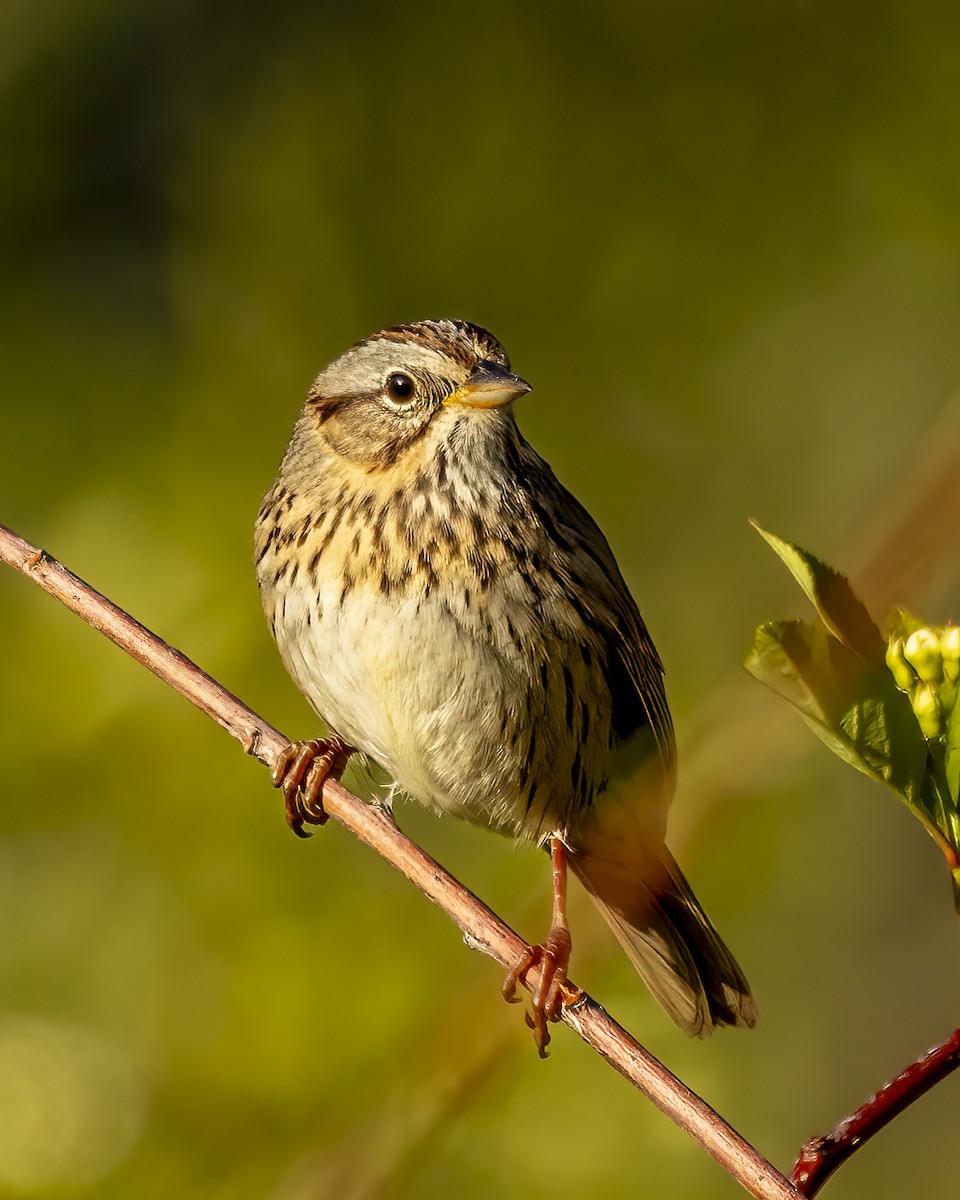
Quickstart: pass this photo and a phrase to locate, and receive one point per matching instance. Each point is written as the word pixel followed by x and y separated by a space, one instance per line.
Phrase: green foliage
pixel 887 708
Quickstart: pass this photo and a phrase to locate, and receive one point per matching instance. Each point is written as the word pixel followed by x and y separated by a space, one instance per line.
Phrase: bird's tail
pixel 669 939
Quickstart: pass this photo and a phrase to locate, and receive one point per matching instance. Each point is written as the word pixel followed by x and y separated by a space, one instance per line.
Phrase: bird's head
pixel 384 395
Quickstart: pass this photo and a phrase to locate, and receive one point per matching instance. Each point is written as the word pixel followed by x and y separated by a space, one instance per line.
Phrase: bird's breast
pixel 478 700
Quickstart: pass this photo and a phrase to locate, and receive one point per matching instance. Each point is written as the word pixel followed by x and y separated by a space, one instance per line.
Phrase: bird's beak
pixel 488 386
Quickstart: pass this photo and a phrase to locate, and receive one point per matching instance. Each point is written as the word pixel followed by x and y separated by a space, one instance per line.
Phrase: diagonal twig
pixel 482 929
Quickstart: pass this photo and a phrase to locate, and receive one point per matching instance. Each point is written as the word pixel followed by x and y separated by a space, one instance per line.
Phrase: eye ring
pixel 400 388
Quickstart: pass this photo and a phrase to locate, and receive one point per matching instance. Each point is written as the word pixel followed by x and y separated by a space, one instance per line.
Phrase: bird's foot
pixel 300 772
pixel 554 989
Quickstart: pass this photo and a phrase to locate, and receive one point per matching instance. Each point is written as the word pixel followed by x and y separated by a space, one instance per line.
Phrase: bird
pixel 456 617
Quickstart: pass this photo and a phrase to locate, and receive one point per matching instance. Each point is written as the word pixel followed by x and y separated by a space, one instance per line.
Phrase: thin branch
pixel 481 928
pixel 821 1156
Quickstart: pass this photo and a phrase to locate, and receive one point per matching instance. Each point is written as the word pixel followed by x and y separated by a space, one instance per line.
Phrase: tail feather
pixel 671 942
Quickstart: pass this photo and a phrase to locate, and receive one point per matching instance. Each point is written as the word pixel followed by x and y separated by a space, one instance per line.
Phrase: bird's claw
pixel 300 772
pixel 554 990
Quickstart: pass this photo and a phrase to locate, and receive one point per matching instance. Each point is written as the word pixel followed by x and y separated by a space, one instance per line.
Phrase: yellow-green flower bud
pixel 950 651
pixel 922 652
pixel 900 669
pixel 926 705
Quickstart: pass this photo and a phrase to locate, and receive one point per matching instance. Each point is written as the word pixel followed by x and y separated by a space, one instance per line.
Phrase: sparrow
pixel 452 613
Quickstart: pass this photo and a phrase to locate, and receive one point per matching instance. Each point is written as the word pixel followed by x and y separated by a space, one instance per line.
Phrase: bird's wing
pixel 635 671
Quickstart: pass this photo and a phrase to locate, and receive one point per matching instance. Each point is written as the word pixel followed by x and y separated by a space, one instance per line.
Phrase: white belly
pixel 400 679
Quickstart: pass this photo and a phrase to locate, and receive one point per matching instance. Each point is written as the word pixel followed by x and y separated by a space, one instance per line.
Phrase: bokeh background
pixel 723 242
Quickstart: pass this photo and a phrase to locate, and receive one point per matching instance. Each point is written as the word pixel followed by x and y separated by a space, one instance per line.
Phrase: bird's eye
pixel 400 388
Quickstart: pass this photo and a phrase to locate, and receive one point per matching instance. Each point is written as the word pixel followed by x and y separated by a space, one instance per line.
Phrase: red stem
pixel 822 1156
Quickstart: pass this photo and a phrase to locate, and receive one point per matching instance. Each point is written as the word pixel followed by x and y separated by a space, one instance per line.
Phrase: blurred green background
pixel 723 242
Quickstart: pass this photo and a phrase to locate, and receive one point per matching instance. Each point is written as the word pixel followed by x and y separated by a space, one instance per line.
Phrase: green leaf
pixel 839 607
pixel 842 678
pixel 858 713
pixel 783 657
pixel 853 707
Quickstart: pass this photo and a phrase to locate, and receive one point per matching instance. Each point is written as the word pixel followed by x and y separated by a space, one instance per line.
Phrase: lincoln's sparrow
pixel 453 613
